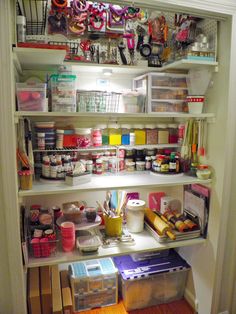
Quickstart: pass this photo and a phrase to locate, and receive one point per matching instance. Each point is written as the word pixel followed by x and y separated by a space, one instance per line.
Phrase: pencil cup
pixel 113 226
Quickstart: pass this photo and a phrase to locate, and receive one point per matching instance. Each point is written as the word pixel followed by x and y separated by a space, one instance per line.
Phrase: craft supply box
pixel 166 92
pixel 94 283
pixel 31 97
pixel 151 281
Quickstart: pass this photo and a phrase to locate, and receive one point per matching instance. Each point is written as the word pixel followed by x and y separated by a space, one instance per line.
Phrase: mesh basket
pixel 97 101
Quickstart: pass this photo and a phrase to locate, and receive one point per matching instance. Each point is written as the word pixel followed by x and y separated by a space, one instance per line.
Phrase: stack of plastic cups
pixel 68 236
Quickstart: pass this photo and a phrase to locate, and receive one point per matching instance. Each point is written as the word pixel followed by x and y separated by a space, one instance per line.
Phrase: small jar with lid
pixel 59 139
pixel 125 134
pixel 114 134
pixel 129 153
pixel 104 131
pixel 150 152
pixel 173 133
pixel 203 172
pixel 41 141
pixel 99 166
pixel 130 166
pixel 163 134
pixel 83 137
pixel 148 163
pixel 89 166
pixel 97 137
pixel 151 134
pixel 140 165
pixel 140 134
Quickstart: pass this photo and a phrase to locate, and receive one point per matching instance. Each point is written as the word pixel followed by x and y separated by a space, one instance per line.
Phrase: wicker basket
pixel 70 215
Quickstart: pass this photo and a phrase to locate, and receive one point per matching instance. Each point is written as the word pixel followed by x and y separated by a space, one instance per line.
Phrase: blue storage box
pixel 93 283
pixel 151 281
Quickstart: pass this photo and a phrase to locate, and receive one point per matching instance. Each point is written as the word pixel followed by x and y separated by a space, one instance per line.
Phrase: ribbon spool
pixel 135 215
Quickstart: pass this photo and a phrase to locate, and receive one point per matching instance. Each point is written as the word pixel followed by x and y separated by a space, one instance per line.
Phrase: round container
pixel 90 214
pixel 105 135
pixel 203 172
pixel 140 165
pixel 21 28
pixel 135 215
pixel 125 134
pixel 83 137
pixel 148 163
pixel 173 133
pixel 99 169
pixel 130 166
pixel 195 104
pixel 97 137
pixel 163 134
pixel 113 226
pixel 140 134
pixel 114 134
pixel 59 141
pixel 151 134
pixel 41 141
pixel 89 166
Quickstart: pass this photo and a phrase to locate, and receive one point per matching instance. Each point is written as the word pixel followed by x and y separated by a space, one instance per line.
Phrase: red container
pixel 70 140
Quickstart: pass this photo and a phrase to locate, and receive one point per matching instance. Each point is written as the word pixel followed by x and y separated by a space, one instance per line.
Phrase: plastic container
pixel 21 28
pixel 63 93
pixel 125 137
pixel 97 137
pixel 151 134
pixel 83 137
pixel 113 226
pixel 130 166
pixel 140 134
pixel 203 172
pixel 41 141
pixel 135 215
pixel 114 134
pixel 59 141
pixel 195 104
pixel 31 97
pixel 167 106
pixel 140 165
pixel 173 133
pixel 152 281
pixel 163 134
pixel 88 243
pixel 26 179
pixel 43 247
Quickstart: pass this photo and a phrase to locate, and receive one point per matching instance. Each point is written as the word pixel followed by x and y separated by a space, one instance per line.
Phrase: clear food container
pixel 31 97
pixel 203 172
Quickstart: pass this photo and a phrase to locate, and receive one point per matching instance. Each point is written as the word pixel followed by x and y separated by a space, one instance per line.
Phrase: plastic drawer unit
pixel 93 283
pixel 151 281
pixel 166 92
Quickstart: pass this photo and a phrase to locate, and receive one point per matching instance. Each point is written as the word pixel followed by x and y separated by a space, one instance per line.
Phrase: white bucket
pixel 135 215
pixel 195 104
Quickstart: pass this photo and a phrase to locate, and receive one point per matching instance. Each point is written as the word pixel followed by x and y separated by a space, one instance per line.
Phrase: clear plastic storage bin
pixel 151 281
pixel 31 97
pixel 166 92
pixel 63 93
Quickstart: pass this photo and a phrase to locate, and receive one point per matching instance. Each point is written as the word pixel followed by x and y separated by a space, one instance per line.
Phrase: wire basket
pixel 35 12
pixel 97 101
pixel 73 46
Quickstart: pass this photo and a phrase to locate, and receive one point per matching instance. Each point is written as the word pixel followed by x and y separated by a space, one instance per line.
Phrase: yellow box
pixel 113 225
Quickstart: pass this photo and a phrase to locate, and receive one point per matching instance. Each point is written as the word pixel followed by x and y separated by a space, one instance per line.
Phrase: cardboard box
pixel 56 291
pixel 66 293
pixel 46 290
pixel 34 291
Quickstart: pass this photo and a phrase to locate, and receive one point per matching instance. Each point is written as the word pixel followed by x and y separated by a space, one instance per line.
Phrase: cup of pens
pixel 112 209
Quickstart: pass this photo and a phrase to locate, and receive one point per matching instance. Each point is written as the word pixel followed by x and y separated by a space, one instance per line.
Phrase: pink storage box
pixel 31 97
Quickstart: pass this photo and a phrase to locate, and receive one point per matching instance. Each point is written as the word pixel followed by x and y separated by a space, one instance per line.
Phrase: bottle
pixel 172 163
pixel 148 163
pixel 41 141
pixel 181 130
pixel 191 225
pixel 59 141
pixel 53 168
pixel 21 28
pixel 179 224
pixel 97 137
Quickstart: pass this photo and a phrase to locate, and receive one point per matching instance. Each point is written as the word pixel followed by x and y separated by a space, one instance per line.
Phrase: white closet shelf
pixel 113 181
pixel 144 242
pixel 46 59
pixel 112 115
pixel 39 59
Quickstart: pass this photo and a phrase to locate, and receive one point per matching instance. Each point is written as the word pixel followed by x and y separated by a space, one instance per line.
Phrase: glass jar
pixel 173 133
pixel 140 165
pixel 163 134
pixel 139 154
pixel 151 134
pixel 83 137
pixel 125 131
pixel 114 134
pixel 41 141
pixel 105 135
pixel 89 166
pixel 99 167
pixel 59 139
pixel 132 138
pixel 181 131
pixel 130 153
pixel 97 137
pixel 130 166
pixel 140 134
pixel 150 152
pixel 203 172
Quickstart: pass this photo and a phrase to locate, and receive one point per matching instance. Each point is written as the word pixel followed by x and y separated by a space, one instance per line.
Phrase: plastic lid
pixel 138 126
pixel 150 126
pixel 60 131
pixel 83 131
pixel 113 126
pixel 173 125
pixel 202 167
pixel 140 163
pixel 162 126
pixel 136 205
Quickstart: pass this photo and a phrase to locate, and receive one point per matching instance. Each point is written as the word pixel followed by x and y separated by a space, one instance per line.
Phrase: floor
pixel 176 307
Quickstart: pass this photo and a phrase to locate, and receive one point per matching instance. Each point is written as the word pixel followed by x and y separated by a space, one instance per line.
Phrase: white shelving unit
pixel 144 242
pixel 113 181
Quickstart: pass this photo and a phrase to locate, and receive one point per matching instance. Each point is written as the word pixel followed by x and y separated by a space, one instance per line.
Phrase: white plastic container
pixel 135 215
pixel 195 104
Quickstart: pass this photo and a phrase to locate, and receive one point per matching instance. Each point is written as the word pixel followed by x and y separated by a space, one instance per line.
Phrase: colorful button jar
pixel 163 134
pixel 140 134
pixel 114 134
pixel 83 137
pixel 151 134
